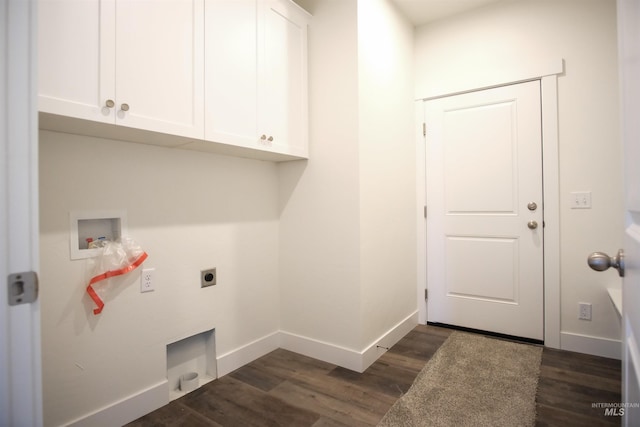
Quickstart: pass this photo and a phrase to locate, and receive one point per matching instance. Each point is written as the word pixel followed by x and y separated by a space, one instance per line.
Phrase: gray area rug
pixel 472 380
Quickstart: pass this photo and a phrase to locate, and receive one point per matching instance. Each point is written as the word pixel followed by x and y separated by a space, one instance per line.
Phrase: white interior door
pixel 629 62
pixel 20 366
pixel 484 210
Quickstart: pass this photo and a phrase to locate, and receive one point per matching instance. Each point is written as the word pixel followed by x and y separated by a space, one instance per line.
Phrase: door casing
pixel 20 354
pixel 547 73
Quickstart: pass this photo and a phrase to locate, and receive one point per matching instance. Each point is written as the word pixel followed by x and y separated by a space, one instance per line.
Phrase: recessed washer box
pixel 94 224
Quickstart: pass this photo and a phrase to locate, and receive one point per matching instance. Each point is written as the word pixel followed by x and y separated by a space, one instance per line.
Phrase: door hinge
pixel 424 129
pixel 426 294
pixel 22 288
pixel 425 211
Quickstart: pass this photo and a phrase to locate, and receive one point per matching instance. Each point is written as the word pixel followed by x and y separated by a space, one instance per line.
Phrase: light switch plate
pixel 581 200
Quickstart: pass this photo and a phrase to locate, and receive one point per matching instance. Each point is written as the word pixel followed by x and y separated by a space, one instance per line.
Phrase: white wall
pixel 476 49
pixel 319 201
pixel 190 211
pixel 387 168
pixel 347 225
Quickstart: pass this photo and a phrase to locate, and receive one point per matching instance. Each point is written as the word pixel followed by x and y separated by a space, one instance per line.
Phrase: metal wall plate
pixel 208 278
pixel 22 288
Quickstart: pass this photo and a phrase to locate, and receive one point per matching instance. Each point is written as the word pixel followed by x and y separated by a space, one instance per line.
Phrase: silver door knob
pixel 263 137
pixel 600 261
pixel 109 103
pixel 532 206
pixel 532 225
pixel 124 107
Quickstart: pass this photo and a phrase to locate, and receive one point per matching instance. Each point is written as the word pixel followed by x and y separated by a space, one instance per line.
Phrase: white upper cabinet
pixel 133 63
pixel 227 76
pixel 231 80
pixel 282 65
pixel 256 75
pixel 160 66
pixel 75 59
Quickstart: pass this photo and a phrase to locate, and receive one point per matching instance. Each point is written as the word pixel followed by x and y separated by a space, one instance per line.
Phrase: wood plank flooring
pixel 287 389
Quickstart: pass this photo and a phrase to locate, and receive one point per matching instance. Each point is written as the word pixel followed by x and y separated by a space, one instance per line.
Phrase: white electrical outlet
pixel 584 311
pixel 581 200
pixel 146 280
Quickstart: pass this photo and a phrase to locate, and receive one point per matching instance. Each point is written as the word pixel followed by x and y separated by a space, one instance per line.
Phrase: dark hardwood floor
pixel 287 389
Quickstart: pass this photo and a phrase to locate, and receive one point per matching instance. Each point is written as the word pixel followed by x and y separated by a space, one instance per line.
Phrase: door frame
pixel 547 73
pixel 20 355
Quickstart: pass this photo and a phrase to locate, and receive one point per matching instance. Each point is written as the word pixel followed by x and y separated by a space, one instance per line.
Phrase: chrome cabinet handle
pixel 109 103
pixel 600 261
pixel 124 107
pixel 263 137
pixel 532 225
pixel 270 139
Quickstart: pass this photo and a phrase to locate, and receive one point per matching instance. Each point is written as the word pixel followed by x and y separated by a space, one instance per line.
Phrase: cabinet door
pixel 76 43
pixel 231 72
pixel 283 83
pixel 160 66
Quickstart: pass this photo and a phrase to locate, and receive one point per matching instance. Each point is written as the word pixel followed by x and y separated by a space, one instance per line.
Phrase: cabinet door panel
pixel 231 72
pixel 160 65
pixel 283 93
pixel 76 73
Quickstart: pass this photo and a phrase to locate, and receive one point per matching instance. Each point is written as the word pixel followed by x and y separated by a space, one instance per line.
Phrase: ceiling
pixel 420 12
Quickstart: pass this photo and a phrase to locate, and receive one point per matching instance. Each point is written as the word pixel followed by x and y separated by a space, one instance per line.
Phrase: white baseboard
pixel 321 350
pixel 239 357
pixel 128 409
pixel 596 346
pixel 388 339
pixel 347 358
pixel 135 406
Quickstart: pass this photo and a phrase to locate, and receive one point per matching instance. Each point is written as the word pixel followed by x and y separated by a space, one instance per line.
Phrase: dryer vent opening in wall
pixel 194 354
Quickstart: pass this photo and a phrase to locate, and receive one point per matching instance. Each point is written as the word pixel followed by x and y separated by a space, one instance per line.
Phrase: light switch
pixel 581 200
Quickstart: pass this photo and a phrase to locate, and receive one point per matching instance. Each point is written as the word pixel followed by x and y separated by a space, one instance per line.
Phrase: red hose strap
pixel 92 293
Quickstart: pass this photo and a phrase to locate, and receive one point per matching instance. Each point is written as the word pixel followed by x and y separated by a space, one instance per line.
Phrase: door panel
pixel 494 257
pixel 160 66
pixel 282 61
pixel 231 81
pixel 629 62
pixel 484 167
pixel 492 189
pixel 76 42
